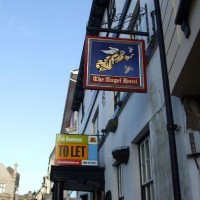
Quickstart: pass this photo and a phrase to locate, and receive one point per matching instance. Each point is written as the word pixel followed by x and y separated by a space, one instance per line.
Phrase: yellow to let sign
pixel 72 151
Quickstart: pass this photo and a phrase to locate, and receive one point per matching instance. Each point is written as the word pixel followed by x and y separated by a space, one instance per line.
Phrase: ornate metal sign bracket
pixel 131 21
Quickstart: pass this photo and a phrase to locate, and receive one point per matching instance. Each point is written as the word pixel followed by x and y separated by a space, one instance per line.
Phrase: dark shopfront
pixel 77 178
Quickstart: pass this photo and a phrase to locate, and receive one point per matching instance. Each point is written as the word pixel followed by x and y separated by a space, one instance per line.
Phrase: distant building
pixel 9 182
pixel 69 125
pixel 27 196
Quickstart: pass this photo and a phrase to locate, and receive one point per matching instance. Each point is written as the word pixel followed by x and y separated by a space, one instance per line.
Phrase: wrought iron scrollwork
pixel 130 16
pixel 119 22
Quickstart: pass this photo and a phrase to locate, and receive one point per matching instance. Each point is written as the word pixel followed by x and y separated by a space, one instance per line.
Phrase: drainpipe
pixel 171 127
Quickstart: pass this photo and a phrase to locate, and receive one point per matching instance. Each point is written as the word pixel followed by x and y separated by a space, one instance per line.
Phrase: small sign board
pixel 114 64
pixel 76 150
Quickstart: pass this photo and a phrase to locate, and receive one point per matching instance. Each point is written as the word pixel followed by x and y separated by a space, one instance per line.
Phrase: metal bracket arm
pixel 130 32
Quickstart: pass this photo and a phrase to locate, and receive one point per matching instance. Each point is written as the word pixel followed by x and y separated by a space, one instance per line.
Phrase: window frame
pixel 95 123
pixel 2 188
pixel 145 157
pixel 120 181
pixel 116 99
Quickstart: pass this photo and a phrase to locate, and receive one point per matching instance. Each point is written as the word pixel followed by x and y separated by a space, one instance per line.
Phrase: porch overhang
pixel 78 178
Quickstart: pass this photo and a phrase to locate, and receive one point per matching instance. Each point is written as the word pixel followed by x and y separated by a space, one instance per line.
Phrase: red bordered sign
pixel 115 64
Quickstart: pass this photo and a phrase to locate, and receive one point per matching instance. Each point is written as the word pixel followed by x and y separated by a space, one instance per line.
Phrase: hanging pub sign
pixel 114 64
pixel 76 150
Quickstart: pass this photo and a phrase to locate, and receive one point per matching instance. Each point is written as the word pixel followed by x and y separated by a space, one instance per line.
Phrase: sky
pixel 41 41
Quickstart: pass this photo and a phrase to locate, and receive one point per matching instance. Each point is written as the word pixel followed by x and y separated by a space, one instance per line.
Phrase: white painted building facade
pixel 139 119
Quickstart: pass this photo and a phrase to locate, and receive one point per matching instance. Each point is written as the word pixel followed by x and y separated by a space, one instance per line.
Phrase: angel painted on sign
pixel 113 57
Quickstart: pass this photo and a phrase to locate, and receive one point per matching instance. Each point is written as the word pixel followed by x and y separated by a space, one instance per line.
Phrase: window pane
pixel 95 124
pixel 152 193
pixel 147 149
pixel 145 165
pixel 142 154
pixel 120 181
pixel 149 169
pixel 144 177
pixel 2 187
pixel 148 192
